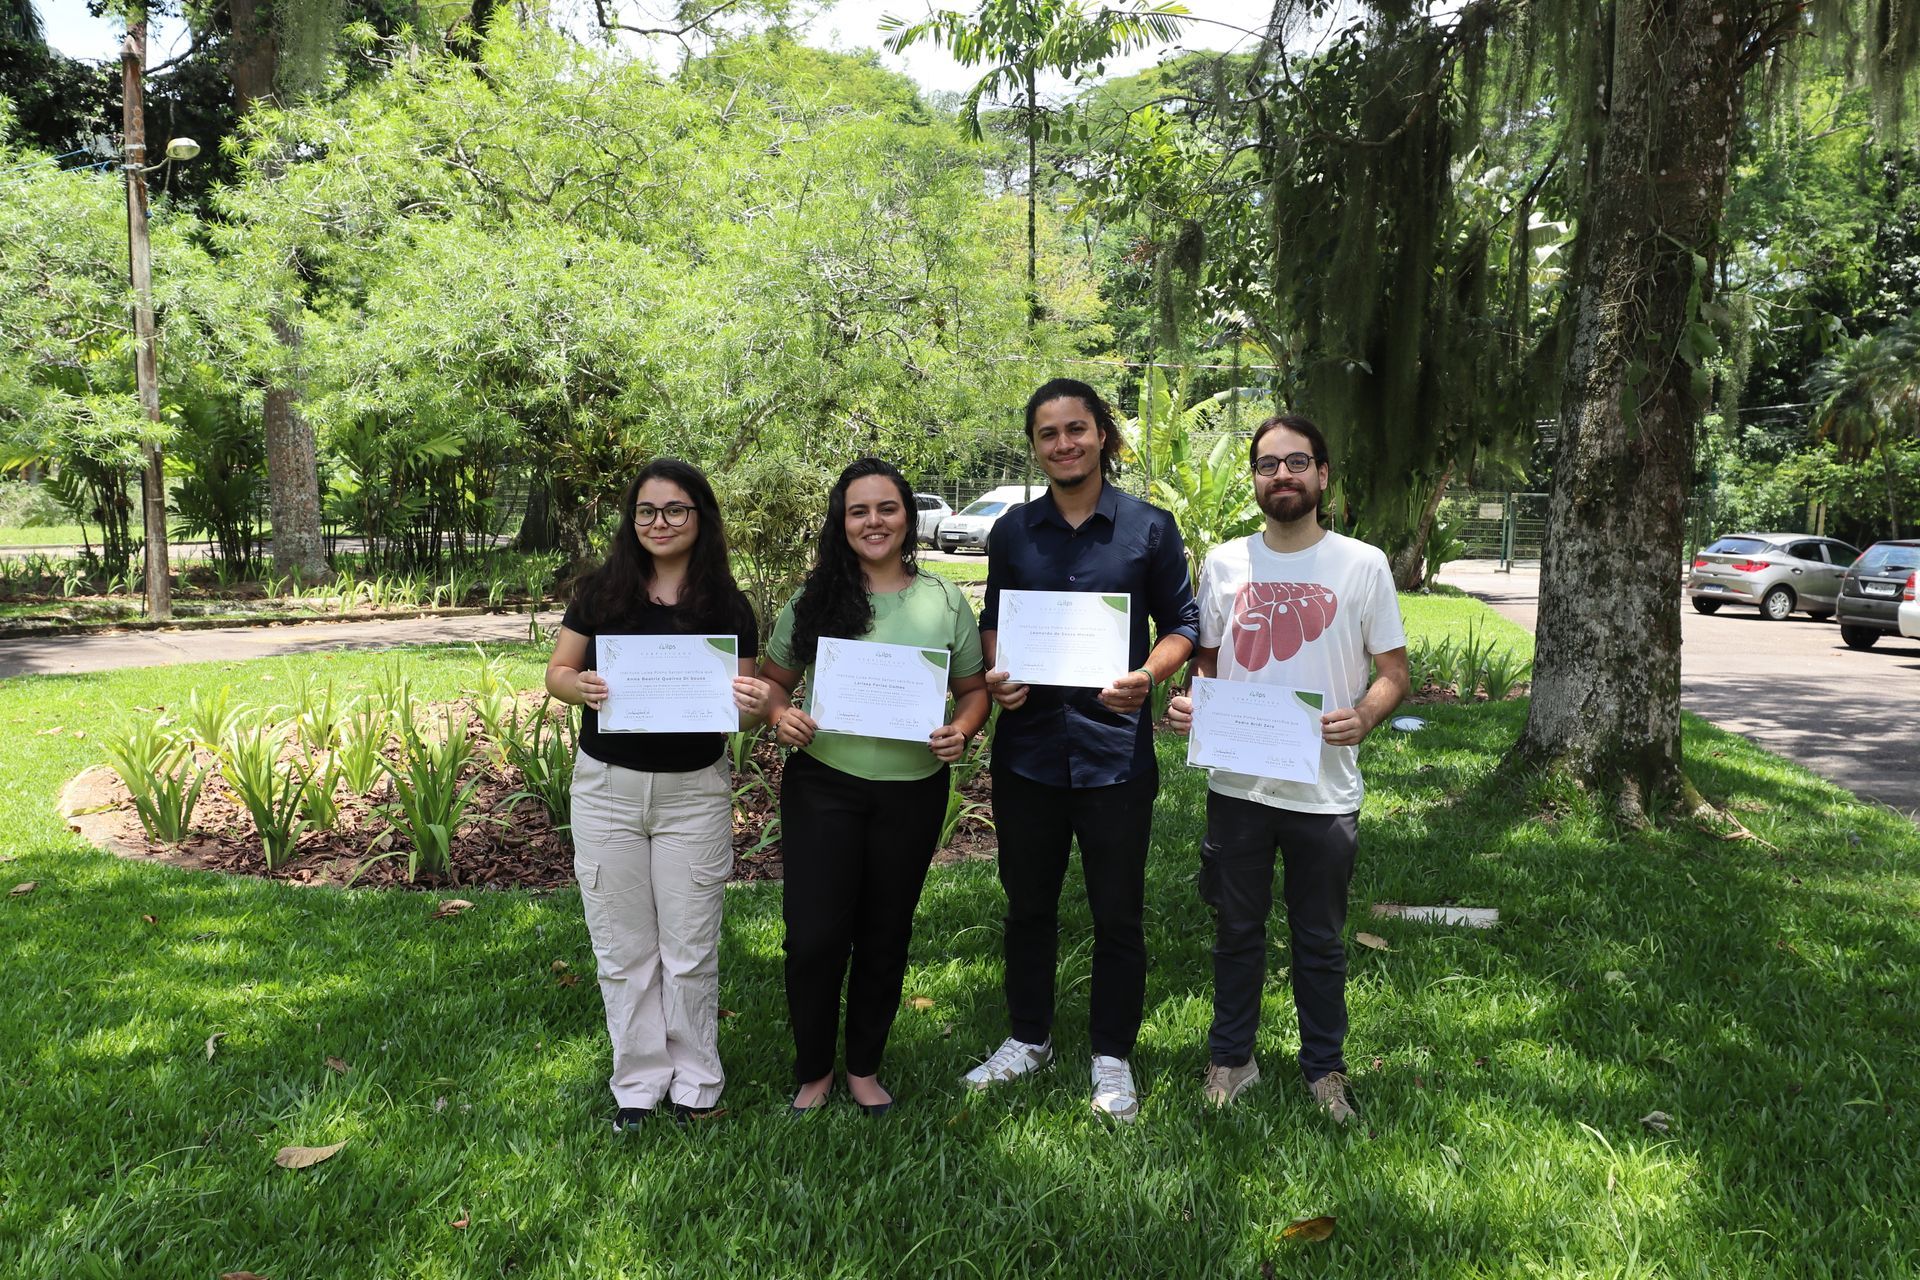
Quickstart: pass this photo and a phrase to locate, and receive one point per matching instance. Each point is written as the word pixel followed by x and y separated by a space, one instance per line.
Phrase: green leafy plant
pixel 318 802
pixel 273 793
pixel 319 716
pixel 161 775
pixel 494 701
pixel 429 799
pixel 540 746
pixel 212 720
pixel 1502 674
pixel 363 736
pixel 959 807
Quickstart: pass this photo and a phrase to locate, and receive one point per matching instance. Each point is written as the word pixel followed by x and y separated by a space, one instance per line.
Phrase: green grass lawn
pixel 1767 1002
pixel 974 570
pixel 47 535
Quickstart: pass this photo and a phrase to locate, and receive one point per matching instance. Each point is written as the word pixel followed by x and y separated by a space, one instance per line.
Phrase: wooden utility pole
pixel 153 489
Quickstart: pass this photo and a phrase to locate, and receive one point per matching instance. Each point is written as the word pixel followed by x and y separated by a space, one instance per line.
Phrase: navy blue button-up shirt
pixel 1067 737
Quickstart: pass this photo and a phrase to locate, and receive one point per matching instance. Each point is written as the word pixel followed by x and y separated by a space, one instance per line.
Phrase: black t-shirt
pixel 657 752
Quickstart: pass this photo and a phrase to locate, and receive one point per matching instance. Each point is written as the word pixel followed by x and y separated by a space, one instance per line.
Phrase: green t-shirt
pixel 931 613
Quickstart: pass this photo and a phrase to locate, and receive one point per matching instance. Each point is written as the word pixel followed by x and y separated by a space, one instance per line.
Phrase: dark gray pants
pixel 1236 880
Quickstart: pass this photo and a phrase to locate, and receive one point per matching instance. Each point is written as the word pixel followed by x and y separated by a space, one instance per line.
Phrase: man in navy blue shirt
pixel 1078 763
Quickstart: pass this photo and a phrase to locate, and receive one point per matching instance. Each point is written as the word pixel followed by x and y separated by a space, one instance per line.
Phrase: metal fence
pixel 1494 525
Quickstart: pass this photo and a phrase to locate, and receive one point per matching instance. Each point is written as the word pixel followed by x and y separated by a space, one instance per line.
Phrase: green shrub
pixel 428 798
pixel 162 776
pixel 362 737
pixel 541 745
pixel 273 793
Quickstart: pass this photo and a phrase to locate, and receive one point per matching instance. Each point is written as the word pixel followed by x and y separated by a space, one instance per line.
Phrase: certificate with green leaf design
pixel 896 691
pixel 1074 638
pixel 668 684
pixel 1262 730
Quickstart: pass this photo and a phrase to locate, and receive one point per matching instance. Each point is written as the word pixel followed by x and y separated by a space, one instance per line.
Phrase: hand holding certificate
pixel 669 684
pixel 875 690
pixel 1073 638
pixel 1264 730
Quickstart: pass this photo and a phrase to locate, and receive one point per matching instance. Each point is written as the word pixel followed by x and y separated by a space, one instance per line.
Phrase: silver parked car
pixel 1870 595
pixel 929 510
pixel 1782 573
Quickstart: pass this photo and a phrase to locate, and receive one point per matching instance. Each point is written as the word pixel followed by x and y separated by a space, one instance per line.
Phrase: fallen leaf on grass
pixel 212 1041
pixel 1309 1230
pixel 1656 1121
pixel 451 907
pixel 22 889
pixel 338 1066
pixel 41 733
pixel 80 733
pixel 1372 940
pixel 728 1013
pixel 460 1224
pixel 306 1157
pixel 149 920
pixel 921 1002
pixel 560 966
pixel 569 980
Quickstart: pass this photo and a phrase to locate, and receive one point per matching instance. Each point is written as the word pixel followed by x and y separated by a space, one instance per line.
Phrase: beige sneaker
pixel 1330 1093
pixel 1224 1084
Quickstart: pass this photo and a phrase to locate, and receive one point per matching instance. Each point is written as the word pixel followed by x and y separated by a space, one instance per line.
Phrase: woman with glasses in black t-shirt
pixel 653 812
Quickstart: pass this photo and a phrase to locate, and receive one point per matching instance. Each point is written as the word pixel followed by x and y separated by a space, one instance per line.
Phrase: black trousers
pixel 1236 880
pixel 1037 825
pixel 856 854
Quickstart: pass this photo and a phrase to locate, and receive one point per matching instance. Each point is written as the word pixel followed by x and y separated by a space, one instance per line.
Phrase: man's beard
pixel 1073 482
pixel 1289 505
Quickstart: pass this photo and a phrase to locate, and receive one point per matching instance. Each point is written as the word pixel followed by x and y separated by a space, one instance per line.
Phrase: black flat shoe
pixel 876 1109
pixel 629 1118
pixel 821 1105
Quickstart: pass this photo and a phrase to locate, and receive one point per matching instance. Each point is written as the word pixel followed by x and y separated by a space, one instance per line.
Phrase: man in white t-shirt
pixel 1303 608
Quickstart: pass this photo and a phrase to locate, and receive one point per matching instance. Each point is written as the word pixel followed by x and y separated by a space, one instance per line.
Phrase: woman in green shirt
pixel 859 816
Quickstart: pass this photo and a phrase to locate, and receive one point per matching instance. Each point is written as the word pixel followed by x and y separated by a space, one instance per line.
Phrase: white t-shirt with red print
pixel 1304 620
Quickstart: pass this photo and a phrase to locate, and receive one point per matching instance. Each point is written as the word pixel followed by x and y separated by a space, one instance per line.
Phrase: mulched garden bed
pixel 504 843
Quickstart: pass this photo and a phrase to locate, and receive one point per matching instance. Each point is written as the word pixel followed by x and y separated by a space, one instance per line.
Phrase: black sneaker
pixel 683 1113
pixel 629 1118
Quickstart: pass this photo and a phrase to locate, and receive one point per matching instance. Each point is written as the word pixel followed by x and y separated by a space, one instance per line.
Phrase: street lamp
pixel 153 486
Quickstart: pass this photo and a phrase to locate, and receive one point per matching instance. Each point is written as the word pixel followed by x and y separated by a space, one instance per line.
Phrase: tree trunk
pixel 537 529
pixel 1409 567
pixel 1606 692
pixel 293 476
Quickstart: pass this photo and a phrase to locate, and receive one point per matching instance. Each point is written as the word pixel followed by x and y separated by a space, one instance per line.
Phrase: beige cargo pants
pixel 652 852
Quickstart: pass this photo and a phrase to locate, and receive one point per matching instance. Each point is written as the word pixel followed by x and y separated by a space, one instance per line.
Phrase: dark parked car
pixel 1870 595
pixel 1780 572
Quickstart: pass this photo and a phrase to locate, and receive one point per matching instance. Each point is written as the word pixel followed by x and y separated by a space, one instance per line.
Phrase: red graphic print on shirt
pixel 1272 620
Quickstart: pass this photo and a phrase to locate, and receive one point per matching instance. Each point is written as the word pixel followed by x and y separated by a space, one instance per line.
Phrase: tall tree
pixel 293 475
pixel 1022 40
pixel 1654 93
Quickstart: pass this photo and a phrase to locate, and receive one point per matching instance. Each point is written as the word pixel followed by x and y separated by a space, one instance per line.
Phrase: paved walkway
pixel 1791 687
pixel 64 655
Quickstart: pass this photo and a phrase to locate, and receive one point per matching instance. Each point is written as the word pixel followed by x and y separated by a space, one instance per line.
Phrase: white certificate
pixel 879 690
pixel 668 684
pixel 1074 638
pixel 1265 730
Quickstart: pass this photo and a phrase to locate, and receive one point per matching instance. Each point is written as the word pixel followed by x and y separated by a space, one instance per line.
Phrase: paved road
pixel 64 655
pixel 1790 686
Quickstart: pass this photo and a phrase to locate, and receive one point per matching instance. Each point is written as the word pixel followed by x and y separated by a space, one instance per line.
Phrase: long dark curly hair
pixel 833 601
pixel 619 586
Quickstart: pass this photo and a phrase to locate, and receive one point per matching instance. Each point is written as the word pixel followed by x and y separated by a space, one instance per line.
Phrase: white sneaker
pixel 1013 1059
pixel 1113 1093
